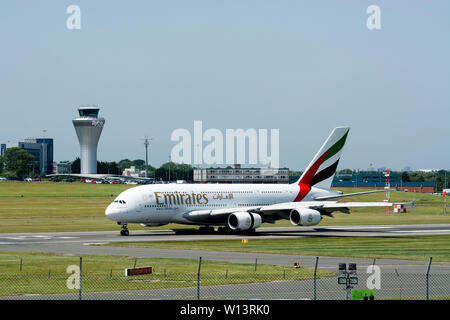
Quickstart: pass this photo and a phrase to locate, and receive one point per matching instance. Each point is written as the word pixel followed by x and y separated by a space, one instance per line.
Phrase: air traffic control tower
pixel 88 127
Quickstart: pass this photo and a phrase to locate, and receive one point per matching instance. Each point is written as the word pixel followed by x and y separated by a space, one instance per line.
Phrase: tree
pixel 125 163
pixel 2 164
pixel 171 171
pixel 19 163
pixel 76 166
pixel 108 168
pixel 139 164
pixel 405 177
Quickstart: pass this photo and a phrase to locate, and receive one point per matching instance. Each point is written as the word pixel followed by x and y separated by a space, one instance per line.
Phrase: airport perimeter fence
pixel 308 279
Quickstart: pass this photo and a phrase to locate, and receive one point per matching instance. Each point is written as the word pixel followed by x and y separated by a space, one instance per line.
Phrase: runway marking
pixel 94 243
pixel 357 228
pixel 36 237
pixel 420 231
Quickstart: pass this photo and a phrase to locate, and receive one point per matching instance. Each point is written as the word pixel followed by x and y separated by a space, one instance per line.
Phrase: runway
pixel 24 240
pixel 84 243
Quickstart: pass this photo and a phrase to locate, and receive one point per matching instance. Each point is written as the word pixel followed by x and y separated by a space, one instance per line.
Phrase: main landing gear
pixel 206 229
pixel 124 231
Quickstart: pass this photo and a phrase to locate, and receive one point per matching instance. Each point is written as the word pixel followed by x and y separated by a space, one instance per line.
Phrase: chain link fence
pixel 310 279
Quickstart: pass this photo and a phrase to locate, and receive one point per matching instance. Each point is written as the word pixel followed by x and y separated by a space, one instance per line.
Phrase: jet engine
pixel 304 217
pixel 242 221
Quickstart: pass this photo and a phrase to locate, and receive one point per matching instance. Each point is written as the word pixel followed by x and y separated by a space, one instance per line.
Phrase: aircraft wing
pixel 342 195
pixel 282 210
pixel 328 205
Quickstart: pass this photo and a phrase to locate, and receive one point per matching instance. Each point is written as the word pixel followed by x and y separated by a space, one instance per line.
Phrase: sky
pixel 302 67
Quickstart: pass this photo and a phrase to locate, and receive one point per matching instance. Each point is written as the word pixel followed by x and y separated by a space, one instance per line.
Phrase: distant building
pixel 133 172
pixel 378 181
pixel 428 170
pixel 241 175
pixel 62 168
pixel 42 151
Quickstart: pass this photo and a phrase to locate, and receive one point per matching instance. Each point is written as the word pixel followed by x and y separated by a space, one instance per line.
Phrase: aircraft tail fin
pixel 323 167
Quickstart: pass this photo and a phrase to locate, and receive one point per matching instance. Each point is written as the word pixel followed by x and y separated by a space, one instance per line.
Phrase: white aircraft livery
pixel 241 207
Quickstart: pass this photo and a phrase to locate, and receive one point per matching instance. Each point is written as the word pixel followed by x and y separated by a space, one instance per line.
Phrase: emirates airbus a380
pixel 241 207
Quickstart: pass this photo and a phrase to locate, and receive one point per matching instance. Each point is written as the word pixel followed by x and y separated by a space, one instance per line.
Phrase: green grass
pixel 57 207
pixel 404 248
pixel 46 273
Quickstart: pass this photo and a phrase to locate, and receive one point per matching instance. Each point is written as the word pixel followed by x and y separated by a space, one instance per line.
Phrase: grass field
pixel 47 273
pixel 55 207
pixel 404 248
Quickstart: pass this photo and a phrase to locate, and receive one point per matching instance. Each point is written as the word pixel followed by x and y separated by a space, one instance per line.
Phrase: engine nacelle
pixel 242 220
pixel 304 217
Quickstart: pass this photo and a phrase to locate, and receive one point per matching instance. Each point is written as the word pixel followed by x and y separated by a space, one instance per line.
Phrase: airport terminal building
pixel 241 175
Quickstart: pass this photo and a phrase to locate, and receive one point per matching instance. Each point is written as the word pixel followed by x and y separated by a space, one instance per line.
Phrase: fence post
pixel 80 291
pixel 427 279
pixel 256 263
pixel 315 278
pixel 20 264
pixel 198 277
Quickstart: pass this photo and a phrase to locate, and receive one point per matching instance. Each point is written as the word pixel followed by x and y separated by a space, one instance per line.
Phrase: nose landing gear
pixel 124 231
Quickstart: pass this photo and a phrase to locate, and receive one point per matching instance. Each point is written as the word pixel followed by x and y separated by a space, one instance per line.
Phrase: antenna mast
pixel 388 189
pixel 146 144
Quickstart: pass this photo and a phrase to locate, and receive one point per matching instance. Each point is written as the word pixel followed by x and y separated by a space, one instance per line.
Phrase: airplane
pixel 241 208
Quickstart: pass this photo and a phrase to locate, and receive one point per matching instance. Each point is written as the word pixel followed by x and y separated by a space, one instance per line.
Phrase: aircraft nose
pixel 112 213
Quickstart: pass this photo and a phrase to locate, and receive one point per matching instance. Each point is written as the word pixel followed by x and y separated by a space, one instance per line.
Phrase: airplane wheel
pixel 224 230
pixel 206 230
pixel 124 233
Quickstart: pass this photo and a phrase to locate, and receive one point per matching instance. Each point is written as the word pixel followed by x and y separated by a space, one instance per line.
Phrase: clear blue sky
pixel 303 67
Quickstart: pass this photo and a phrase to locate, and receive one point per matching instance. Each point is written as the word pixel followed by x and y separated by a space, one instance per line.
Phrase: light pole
pixel 146 144
pixel 445 193
pixel 348 277
pixel 169 169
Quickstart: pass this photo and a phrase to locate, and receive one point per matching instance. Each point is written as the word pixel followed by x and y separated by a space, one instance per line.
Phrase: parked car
pixel 28 179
